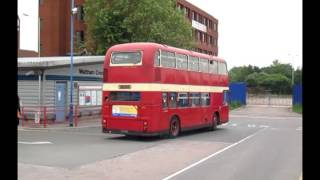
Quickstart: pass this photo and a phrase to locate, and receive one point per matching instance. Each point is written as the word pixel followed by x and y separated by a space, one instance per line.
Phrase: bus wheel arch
pixel 215 121
pixel 174 126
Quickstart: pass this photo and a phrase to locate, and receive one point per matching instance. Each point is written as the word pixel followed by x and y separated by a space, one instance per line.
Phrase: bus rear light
pixel 104 121
pixel 145 125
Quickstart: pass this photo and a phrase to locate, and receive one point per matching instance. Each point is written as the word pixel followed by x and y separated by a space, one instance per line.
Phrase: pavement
pixel 258 143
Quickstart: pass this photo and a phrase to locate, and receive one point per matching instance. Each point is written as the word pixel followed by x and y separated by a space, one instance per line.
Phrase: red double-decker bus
pixel 154 89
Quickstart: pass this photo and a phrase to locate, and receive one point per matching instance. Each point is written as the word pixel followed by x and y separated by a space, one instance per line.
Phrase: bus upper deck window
pixel 126 58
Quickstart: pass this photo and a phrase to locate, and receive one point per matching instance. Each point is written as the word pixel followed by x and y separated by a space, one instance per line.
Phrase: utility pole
pixel 73 11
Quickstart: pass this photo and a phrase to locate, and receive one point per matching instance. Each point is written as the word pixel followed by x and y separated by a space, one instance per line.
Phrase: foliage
pixel 120 21
pixel 298 76
pixel 240 73
pixel 297 108
pixel 276 78
pixel 235 105
pixel 279 68
pixel 278 83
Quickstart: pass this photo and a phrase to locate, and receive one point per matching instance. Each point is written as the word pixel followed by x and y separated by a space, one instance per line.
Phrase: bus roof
pixel 146 45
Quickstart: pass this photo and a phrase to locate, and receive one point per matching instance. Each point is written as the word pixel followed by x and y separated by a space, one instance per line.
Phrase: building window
pixel 41 23
pixel 215 42
pixel 198 35
pixel 210 24
pixel 41 47
pixel 80 13
pixel 80 37
pixel 195 16
pixel 211 41
pixel 214 27
pixel 200 18
pixel 189 13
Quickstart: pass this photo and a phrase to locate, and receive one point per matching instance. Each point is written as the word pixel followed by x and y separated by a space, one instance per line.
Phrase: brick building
pixel 55 28
pixel 205 27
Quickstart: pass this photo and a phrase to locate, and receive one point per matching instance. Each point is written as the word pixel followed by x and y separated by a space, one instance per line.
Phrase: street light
pixel 73 11
pixel 292 79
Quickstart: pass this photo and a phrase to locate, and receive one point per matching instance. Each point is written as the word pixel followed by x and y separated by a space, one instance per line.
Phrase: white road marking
pixel 224 124
pixel 251 125
pixel 234 124
pixel 212 155
pixel 36 142
pixel 264 126
pixel 299 129
pixel 264 117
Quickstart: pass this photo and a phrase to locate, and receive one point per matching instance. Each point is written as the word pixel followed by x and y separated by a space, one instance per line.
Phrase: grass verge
pixel 297 108
pixel 235 105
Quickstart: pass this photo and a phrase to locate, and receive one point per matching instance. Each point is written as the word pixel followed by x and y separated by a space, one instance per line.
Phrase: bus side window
pixel 225 98
pixel 172 100
pixel 157 59
pixel 205 99
pixel 183 100
pixel 194 99
pixel 164 100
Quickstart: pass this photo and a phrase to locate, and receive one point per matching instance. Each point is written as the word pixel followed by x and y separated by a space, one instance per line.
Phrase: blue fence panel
pixel 297 94
pixel 238 92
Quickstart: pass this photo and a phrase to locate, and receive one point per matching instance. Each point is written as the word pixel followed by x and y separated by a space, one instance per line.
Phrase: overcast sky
pixel 28 15
pixel 257 32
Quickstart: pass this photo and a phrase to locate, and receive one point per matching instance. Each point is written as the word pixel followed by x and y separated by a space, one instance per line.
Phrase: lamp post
pixel 292 75
pixel 73 11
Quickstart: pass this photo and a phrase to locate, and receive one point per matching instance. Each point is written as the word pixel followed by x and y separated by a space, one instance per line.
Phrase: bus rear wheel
pixel 174 127
pixel 214 122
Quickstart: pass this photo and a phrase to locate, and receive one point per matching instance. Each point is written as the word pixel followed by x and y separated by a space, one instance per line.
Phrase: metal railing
pixel 269 99
pixel 35 116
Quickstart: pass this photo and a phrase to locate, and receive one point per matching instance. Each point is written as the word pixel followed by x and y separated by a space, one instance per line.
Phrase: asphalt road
pixel 258 143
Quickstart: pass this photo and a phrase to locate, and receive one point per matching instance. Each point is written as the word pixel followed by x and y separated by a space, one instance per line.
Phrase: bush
pixel 235 104
pixel 297 108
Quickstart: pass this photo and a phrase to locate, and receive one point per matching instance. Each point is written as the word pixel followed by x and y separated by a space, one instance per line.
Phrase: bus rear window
pixel 125 96
pixel 126 58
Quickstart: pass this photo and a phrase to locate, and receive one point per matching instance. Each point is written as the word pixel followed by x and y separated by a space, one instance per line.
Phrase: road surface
pixel 259 142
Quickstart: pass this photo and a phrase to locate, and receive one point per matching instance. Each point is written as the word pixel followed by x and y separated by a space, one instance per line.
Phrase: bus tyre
pixel 214 122
pixel 174 128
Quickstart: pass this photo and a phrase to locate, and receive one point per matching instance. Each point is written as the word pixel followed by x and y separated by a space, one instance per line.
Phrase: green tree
pixel 278 83
pixel 252 79
pixel 112 22
pixel 298 76
pixel 239 74
pixel 279 68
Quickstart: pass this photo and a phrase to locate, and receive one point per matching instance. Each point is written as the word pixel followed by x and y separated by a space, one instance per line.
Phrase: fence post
pixel 76 116
pixel 22 116
pixel 45 117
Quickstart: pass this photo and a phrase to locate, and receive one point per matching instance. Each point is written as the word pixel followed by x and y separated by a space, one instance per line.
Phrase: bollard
pixel 44 117
pixel 22 116
pixel 76 116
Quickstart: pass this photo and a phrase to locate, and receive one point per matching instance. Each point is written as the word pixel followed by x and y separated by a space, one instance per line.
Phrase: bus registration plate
pixel 124 110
